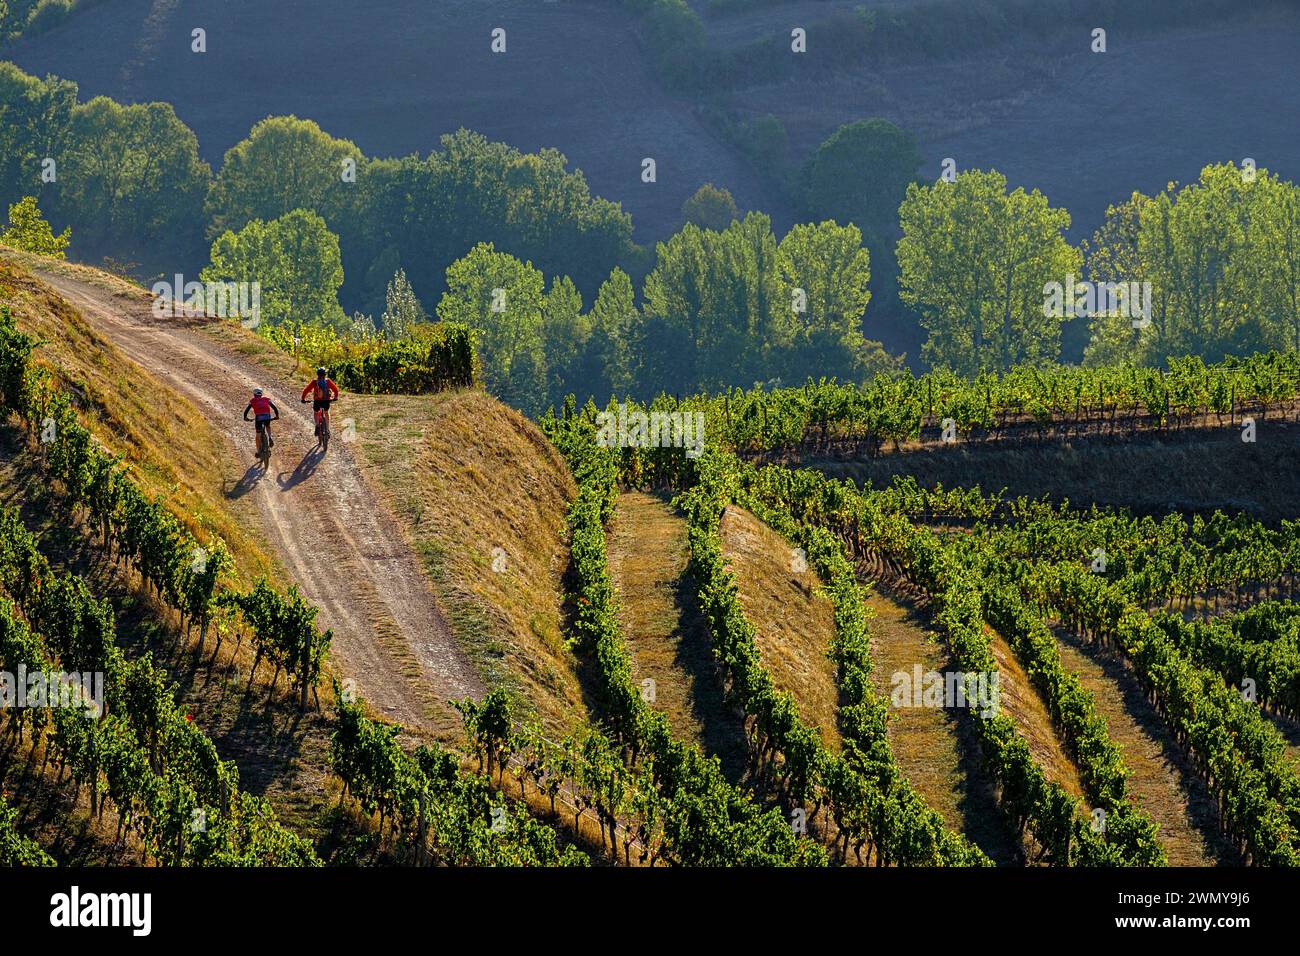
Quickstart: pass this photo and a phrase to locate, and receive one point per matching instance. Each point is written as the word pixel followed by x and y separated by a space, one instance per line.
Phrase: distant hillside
pixel 393 76
pixel 1087 129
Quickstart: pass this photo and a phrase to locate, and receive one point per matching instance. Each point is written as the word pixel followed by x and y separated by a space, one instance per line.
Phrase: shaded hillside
pixel 417 70
pixel 593 92
pixel 1201 470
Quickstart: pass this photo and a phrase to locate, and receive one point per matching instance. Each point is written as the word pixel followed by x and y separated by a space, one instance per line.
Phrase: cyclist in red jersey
pixel 262 409
pixel 323 391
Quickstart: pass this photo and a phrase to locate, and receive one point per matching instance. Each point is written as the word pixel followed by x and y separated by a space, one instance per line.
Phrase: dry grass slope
pixel 173 451
pixel 938 756
pixel 169 444
pixel 1020 701
pixel 1159 777
pixel 794 618
pixel 482 496
pixel 665 632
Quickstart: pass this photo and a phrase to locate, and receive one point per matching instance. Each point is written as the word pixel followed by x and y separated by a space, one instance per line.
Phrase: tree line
pixel 514 245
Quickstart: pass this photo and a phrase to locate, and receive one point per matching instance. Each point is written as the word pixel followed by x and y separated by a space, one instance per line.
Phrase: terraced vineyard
pixel 746 661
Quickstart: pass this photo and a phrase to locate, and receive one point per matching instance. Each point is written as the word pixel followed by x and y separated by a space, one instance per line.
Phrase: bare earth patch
pixel 482 496
pixel 1159 778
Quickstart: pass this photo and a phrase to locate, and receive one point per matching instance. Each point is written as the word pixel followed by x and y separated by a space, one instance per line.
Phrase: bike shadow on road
pixel 306 468
pixel 256 472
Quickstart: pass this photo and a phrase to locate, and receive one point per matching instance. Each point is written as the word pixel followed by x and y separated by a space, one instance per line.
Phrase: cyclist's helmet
pixel 320 372
pixel 257 391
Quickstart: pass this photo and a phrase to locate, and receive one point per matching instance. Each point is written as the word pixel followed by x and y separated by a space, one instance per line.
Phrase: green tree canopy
pixel 402 310
pixel 860 174
pixel 133 173
pixel 564 336
pixel 34 119
pixel 296 261
pixel 502 299
pixel 824 272
pixel 608 367
pixel 974 261
pixel 1222 256
pixel 284 164
pixel 1112 256
pixel 711 208
pixel 28 230
pixel 711 307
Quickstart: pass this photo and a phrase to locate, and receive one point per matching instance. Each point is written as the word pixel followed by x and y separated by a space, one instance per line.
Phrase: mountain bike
pixel 323 423
pixel 264 440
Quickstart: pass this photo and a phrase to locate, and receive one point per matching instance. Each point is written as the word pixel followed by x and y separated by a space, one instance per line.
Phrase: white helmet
pixel 257 391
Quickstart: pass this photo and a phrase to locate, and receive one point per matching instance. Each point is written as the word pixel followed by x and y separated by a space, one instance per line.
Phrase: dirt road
pixel 330 532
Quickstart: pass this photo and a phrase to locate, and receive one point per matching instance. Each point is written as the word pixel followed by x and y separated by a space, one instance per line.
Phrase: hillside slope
pixel 406 517
pixel 793 617
pixel 1200 471
pixel 666 635
pixel 172 447
pixel 175 452
pixel 320 517
pixel 417 70
pixel 482 496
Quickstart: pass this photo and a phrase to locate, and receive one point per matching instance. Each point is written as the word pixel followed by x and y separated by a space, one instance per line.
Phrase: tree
pixel 765 141
pixel 975 261
pixel 860 174
pixel 29 231
pixel 607 365
pixel 824 274
pixel 501 297
pixel 362 327
pixel 284 164
pixel 402 310
pixel 675 35
pixel 296 261
pixel 34 119
pixel 1221 256
pixel 528 204
pixel 426 213
pixel 711 307
pixel 1112 256
pixel 133 174
pixel 1282 238
pixel 711 208
pixel 564 338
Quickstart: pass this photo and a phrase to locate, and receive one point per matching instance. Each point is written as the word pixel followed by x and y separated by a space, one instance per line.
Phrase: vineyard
pixel 431 358
pixel 755 455
pixel 1027 404
pixel 1197 608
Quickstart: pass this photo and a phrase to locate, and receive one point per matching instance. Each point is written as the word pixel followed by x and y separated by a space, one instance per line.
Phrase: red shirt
pixel 321 392
pixel 261 405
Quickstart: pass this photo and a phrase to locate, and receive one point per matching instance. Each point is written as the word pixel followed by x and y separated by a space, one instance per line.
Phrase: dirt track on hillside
pixel 322 520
